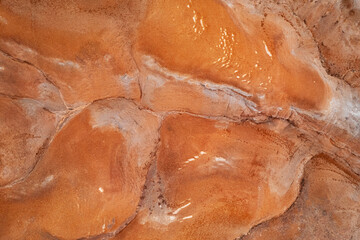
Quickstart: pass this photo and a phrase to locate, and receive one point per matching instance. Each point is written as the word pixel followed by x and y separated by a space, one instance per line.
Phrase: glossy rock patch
pixel 227 178
pixel 168 120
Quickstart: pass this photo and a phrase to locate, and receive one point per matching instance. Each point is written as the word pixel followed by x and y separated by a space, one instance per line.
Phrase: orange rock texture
pixel 182 119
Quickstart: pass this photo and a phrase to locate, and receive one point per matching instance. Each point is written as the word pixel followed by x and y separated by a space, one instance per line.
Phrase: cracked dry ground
pixel 181 119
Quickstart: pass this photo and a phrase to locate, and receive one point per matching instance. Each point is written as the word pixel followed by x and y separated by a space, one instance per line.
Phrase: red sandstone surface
pixel 183 119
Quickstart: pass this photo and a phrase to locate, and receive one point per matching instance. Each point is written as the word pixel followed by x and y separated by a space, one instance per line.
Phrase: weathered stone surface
pixel 83 48
pixel 335 27
pixel 255 58
pixel 21 80
pixel 178 119
pixel 217 179
pixel 89 180
pixel 327 207
pixel 25 131
pixel 205 88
